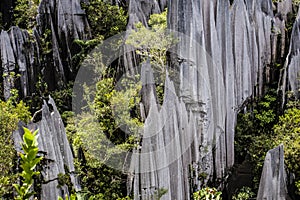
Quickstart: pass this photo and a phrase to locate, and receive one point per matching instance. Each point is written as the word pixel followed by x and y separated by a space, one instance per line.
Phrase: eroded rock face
pixel 61 22
pixel 54 146
pixel 292 63
pixel 18 56
pixel 189 140
pixel 225 59
pixel 273 179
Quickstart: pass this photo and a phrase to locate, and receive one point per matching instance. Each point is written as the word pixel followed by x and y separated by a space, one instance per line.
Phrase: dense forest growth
pixel 150 93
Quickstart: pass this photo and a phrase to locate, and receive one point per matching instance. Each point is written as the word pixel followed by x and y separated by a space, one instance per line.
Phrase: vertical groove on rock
pixel 63 21
pixel 53 143
pixel 237 45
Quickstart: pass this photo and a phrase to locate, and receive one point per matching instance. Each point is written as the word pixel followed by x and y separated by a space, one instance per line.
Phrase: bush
pixel 287 132
pixel 99 135
pixel 254 133
pixel 207 194
pixel 254 141
pixel 11 112
pixel 105 19
pixel 29 161
pixel 153 43
pixel 25 13
pixel 244 193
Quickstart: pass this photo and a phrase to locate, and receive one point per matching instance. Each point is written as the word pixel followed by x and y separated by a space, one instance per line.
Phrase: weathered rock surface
pixel 54 146
pixel 225 57
pixel 292 63
pixel 189 140
pixel 273 179
pixel 30 56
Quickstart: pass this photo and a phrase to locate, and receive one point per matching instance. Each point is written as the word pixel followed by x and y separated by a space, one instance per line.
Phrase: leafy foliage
pixel 258 149
pixel 263 129
pixel 207 194
pixel 72 197
pixel 254 134
pixel 25 13
pixel 287 132
pixel 99 135
pixel 153 44
pixel 11 112
pixel 244 193
pixel 105 19
pixel 255 124
pixel 29 161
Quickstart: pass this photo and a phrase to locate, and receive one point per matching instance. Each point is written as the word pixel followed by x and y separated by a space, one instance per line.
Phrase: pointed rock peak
pixel 169 93
pixel 153 103
pixel 147 77
pixel 45 109
pixel 52 103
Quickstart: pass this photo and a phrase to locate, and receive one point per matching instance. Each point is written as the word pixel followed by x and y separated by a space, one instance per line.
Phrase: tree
pixel 154 42
pixel 105 19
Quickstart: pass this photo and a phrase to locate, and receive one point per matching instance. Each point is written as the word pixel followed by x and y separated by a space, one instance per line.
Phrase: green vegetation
pixel 11 112
pixel 287 132
pixel 72 197
pixel 29 161
pixel 207 193
pixel 99 137
pixel 96 135
pixel 152 44
pixel 244 193
pixel 113 125
pixel 253 135
pixel 25 13
pixel 257 123
pixel 105 19
pixel 263 129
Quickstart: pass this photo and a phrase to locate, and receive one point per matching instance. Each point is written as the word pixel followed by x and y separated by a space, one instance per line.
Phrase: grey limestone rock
pixel 224 57
pixel 273 179
pixel 292 64
pixel 22 52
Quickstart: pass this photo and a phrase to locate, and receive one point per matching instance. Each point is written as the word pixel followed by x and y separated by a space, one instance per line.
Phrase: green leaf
pixel 28 137
pixel 32 153
pixel 35 162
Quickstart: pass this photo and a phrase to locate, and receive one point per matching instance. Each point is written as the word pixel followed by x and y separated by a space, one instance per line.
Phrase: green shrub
pixel 11 112
pixel 254 124
pixel 25 13
pixel 153 43
pixel 257 151
pixel 262 130
pixel 207 194
pixel 98 135
pixel 287 132
pixel 29 161
pixel 105 19
pixel 244 193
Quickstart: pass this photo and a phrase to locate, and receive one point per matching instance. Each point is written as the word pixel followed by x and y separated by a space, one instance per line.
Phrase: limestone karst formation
pixel 224 56
pixel 241 40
